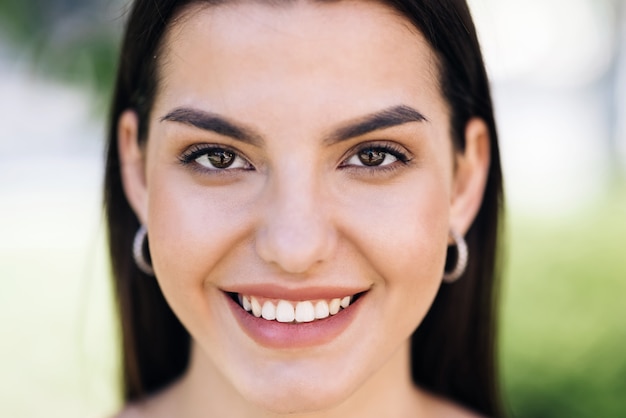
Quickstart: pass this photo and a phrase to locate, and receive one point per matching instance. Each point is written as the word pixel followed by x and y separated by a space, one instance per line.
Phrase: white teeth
pixel 256 307
pixel 246 303
pixel 285 312
pixel 334 306
pixel 321 310
pixel 305 312
pixel 269 311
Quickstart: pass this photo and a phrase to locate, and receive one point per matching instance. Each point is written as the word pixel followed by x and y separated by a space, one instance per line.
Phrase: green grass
pixel 563 326
pixel 564 318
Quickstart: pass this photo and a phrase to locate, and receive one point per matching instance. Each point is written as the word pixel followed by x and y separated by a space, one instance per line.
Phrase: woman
pixel 288 185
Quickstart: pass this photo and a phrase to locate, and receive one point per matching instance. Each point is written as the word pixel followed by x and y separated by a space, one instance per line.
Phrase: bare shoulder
pixel 155 406
pixel 146 408
pixel 131 411
pixel 445 408
pixel 449 409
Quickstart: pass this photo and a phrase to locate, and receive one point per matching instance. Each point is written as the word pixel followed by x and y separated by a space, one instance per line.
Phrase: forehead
pixel 244 50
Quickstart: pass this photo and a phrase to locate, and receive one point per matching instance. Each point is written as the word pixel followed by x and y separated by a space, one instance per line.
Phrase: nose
pixel 296 232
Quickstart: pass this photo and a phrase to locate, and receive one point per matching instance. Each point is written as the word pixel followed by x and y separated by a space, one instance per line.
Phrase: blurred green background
pixel 559 75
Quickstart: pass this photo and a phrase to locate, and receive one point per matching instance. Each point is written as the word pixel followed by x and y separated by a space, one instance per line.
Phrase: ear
pixel 470 177
pixel 132 164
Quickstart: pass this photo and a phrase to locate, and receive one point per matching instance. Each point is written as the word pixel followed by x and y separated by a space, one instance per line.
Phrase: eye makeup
pixel 214 158
pixel 369 157
pixel 376 158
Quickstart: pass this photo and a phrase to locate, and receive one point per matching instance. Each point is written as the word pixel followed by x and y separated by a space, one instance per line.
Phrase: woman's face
pixel 296 153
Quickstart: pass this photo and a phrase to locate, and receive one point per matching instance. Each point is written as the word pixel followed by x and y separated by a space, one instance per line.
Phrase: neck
pixel 203 392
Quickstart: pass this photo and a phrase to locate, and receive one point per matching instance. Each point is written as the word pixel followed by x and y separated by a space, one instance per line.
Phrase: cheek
pixel 420 253
pixel 191 228
pixel 404 228
pixel 403 235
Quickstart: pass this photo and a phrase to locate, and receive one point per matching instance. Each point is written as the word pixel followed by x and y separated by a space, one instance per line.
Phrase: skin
pixel 300 211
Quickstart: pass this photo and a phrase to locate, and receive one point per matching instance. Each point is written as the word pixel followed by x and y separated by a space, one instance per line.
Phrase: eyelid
pixel 193 152
pixel 402 154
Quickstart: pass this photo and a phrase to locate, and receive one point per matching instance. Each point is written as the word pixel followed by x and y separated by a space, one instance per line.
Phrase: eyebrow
pixel 387 118
pixel 207 121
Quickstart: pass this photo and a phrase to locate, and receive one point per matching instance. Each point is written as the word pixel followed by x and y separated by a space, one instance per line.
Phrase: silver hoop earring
pixel 138 253
pixel 462 255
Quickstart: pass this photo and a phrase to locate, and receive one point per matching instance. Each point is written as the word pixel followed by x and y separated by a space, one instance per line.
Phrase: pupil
pixel 221 159
pixel 371 157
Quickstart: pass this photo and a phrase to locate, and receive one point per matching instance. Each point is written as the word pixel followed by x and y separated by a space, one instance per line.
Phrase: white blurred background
pixel 558 69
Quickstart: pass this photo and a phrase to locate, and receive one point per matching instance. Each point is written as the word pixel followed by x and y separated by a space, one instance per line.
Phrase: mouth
pixel 293 312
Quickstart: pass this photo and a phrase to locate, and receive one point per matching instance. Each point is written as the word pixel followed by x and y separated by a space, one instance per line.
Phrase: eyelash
pixel 190 155
pixel 402 157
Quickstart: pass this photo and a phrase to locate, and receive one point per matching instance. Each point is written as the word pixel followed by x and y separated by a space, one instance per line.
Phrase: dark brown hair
pixel 453 350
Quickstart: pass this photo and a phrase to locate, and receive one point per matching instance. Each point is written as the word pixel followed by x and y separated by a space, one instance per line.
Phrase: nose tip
pixel 295 241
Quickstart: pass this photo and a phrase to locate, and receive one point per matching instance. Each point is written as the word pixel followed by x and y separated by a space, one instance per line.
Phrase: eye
pixel 376 156
pixel 220 159
pixel 371 157
pixel 215 158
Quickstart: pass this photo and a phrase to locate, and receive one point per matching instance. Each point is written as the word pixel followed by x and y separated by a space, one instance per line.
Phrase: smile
pixel 282 319
pixel 286 311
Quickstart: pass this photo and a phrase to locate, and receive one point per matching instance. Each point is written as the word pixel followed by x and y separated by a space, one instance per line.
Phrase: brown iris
pixel 221 158
pixel 371 157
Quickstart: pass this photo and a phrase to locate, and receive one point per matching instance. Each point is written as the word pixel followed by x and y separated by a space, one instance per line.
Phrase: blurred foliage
pixel 564 323
pixel 564 320
pixel 72 40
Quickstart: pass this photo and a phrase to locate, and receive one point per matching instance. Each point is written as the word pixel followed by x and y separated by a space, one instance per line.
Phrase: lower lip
pixel 279 335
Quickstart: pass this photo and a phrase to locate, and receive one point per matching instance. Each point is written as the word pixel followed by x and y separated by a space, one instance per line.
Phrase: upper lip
pixel 271 291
